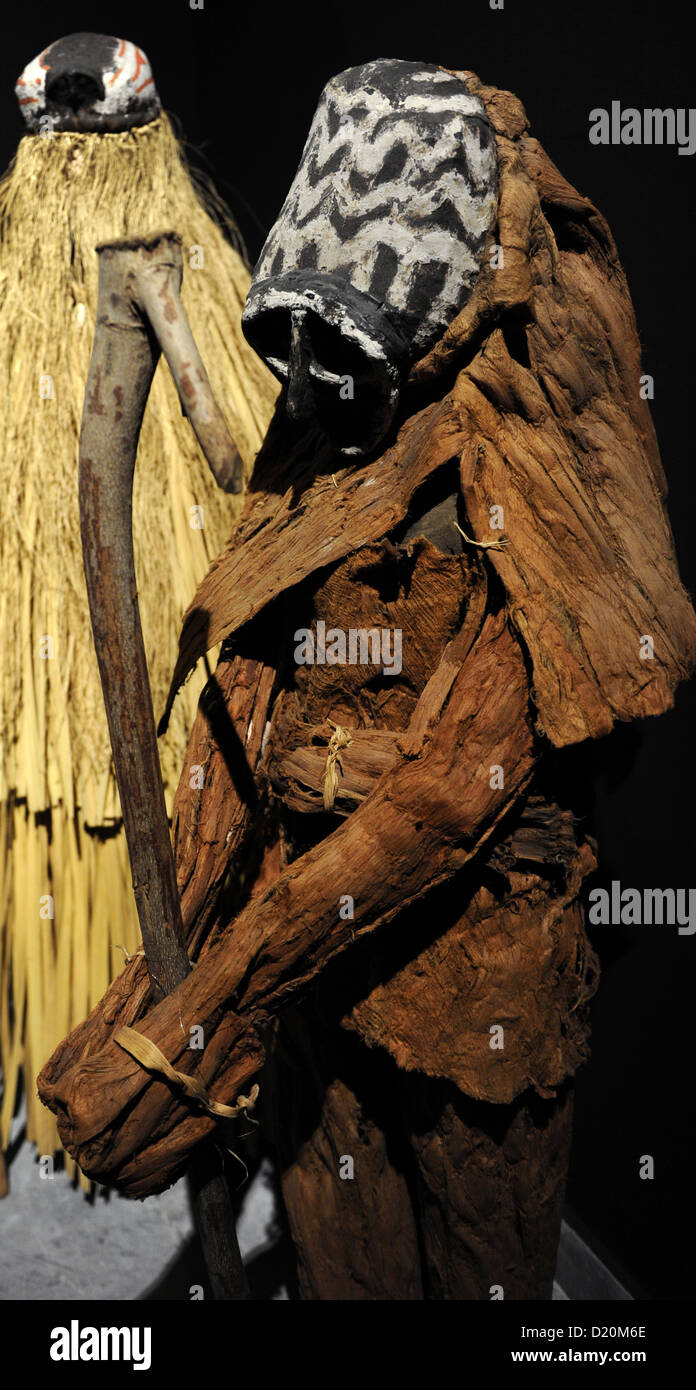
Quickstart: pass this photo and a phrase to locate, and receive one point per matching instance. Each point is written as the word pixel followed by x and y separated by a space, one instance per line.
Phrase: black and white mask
pixel 377 246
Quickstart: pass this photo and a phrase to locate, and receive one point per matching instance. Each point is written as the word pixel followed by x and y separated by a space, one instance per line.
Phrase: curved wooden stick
pixel 138 301
pixel 158 288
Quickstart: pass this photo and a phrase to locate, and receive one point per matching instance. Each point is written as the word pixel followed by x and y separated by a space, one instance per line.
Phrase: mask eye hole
pixel 74 90
pixel 333 351
pixel 269 335
pixel 353 406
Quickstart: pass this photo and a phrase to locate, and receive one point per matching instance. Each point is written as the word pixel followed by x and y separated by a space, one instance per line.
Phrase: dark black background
pixel 244 81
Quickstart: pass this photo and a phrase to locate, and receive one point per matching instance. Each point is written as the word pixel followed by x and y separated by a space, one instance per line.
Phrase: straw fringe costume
pixel 66 906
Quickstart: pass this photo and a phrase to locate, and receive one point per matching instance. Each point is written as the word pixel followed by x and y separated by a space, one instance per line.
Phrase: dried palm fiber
pixel 60 829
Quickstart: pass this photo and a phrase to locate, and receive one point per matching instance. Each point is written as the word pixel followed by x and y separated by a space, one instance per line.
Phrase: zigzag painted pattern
pixel 397 187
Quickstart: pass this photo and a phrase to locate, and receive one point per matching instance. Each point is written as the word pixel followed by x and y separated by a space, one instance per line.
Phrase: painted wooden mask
pixel 87 82
pixel 377 246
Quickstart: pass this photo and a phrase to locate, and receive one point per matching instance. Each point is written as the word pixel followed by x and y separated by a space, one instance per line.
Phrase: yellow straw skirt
pixel 66 904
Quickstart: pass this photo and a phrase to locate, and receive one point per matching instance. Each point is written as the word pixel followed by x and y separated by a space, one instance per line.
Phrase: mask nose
pixel 74 88
pixel 299 402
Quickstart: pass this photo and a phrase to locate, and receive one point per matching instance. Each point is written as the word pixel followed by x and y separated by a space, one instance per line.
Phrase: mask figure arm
pixel 425 819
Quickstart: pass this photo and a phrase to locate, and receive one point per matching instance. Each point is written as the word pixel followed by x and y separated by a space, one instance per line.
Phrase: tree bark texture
pixel 449 1198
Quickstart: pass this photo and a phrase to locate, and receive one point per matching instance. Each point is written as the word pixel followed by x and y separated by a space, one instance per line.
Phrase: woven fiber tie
pixel 149 1056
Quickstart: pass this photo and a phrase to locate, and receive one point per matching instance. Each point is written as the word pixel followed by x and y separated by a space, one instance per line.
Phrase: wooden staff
pixel 139 313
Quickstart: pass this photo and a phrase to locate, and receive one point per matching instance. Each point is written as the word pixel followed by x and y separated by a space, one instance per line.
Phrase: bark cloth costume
pixel 381 871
